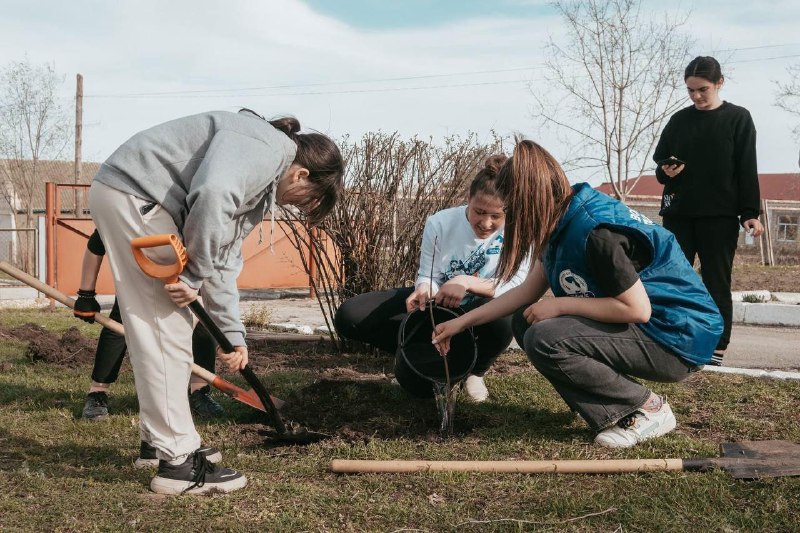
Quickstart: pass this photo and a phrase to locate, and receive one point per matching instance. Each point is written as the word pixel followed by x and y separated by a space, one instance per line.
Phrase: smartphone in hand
pixel 671 160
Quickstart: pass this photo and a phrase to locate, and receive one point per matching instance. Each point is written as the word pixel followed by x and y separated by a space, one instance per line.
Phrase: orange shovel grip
pixel 167 273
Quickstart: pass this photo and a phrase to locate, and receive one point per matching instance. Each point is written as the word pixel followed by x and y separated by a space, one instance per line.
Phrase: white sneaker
pixel 638 427
pixel 476 388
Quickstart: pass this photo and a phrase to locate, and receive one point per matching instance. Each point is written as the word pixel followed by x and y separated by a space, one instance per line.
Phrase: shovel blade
pixel 247 397
pixel 760 459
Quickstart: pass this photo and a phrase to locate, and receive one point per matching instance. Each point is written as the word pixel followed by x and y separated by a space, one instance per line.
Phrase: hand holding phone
pixel 670 161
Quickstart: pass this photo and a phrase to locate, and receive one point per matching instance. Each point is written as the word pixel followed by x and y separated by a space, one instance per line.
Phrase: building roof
pixel 62 172
pixel 773 186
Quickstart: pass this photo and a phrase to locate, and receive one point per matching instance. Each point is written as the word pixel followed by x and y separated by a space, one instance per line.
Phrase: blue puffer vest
pixel 684 318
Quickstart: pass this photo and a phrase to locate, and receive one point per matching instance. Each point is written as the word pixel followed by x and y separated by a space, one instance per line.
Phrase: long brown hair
pixel 537 194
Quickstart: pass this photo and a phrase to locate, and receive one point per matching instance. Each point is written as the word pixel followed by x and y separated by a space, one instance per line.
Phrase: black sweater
pixel 721 176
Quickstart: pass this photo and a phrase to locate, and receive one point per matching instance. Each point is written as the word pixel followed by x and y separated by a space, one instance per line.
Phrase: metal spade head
pixel 295 434
pixel 758 459
pixel 753 459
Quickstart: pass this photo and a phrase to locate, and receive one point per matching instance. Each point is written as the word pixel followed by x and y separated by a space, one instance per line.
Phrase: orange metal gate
pixel 68 227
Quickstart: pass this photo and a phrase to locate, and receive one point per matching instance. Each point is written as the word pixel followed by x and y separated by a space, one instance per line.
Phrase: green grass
pixel 60 473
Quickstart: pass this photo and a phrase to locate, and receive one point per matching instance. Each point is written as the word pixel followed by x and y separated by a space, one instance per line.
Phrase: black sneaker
pixel 203 405
pixel 196 475
pixel 716 359
pixel 96 406
pixel 148 458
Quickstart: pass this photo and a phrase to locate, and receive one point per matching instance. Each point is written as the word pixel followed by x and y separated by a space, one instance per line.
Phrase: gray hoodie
pixel 215 174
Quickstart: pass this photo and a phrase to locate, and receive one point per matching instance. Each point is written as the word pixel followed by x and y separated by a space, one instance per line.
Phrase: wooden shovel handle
pixel 600 466
pixel 100 318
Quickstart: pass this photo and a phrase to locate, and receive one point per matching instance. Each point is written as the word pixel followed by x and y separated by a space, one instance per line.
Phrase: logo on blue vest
pixel 574 285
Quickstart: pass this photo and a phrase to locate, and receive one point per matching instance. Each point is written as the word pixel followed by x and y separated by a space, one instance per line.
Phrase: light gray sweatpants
pixel 158 333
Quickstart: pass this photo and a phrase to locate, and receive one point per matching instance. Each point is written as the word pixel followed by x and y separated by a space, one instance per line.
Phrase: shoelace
pixel 628 421
pixel 100 399
pixel 200 467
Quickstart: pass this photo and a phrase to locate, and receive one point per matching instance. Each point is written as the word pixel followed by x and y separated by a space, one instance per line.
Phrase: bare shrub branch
pixel 371 240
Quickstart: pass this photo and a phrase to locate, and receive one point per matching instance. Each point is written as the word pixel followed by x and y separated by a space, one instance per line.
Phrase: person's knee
pixel 344 320
pixel 540 340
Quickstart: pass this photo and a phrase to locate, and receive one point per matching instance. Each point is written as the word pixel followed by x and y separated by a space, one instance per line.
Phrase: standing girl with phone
pixel 706 199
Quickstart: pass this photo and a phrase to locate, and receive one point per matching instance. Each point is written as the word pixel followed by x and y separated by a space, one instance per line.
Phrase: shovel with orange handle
pixel 168 273
pixel 248 397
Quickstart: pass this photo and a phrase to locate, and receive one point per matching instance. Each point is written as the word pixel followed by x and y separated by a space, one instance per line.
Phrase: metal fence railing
pixel 20 247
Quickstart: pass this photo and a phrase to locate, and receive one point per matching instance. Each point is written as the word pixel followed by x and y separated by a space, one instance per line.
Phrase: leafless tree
pixel 33 127
pixel 789 94
pixel 371 241
pixel 611 84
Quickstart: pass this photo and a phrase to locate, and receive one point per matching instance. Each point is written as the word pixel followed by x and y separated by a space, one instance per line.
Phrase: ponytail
pixel 537 194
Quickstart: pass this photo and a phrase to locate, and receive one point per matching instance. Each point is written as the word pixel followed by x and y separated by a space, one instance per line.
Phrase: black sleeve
pixel 746 169
pixel 95 245
pixel 614 259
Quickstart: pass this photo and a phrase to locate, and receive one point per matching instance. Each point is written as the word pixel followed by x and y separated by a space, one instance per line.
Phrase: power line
pixel 319 84
pixel 239 94
pixel 343 91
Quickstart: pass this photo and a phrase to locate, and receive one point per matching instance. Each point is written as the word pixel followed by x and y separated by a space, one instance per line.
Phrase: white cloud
pixel 147 46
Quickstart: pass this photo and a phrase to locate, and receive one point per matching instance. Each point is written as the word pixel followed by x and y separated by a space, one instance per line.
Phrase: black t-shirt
pixel 95 245
pixel 614 259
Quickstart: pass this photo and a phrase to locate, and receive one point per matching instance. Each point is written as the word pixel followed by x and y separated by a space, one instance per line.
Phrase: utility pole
pixel 78 140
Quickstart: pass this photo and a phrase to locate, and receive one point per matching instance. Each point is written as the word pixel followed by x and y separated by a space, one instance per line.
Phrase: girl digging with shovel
pixel 209 178
pixel 627 303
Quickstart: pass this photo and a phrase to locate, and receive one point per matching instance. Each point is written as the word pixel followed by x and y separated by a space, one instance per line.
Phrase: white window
pixel 788 227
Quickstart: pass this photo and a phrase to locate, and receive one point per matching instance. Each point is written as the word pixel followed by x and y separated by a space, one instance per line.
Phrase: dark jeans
pixel 592 365
pixel 111 349
pixel 375 317
pixel 713 240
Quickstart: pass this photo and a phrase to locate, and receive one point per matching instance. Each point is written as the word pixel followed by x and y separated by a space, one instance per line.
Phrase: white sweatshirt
pixel 460 252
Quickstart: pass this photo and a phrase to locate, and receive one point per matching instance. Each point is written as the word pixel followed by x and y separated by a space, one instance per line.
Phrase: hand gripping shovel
pixel 744 460
pixel 169 274
pixel 248 397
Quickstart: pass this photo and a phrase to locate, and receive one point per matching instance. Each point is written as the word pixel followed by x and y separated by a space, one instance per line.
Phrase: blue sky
pixel 377 15
pixel 346 67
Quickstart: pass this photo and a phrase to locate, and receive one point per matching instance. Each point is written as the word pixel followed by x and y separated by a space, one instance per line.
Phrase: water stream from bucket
pixel 446 406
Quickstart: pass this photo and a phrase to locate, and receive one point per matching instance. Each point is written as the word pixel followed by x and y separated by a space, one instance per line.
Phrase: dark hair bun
pixel 288 125
pixel 494 163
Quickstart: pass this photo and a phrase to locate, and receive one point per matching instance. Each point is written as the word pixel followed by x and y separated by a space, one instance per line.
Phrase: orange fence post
pixel 50 234
pixel 312 265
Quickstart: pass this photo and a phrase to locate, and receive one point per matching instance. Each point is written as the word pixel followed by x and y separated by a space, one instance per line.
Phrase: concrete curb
pixel 766 314
pixel 753 372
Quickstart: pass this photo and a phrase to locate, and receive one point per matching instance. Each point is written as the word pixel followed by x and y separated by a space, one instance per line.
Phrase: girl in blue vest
pixel 627 303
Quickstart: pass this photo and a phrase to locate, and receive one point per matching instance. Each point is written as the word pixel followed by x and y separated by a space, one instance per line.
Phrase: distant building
pixel 22 192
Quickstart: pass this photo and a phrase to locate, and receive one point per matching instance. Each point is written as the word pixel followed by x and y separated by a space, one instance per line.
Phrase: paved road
pixel 764 347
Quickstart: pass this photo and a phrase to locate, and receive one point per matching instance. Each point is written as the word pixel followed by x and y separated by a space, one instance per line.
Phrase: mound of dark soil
pixel 71 349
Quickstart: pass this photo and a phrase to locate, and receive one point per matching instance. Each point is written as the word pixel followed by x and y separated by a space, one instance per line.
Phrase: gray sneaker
pixel 196 475
pixel 96 406
pixel 148 458
pixel 203 405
